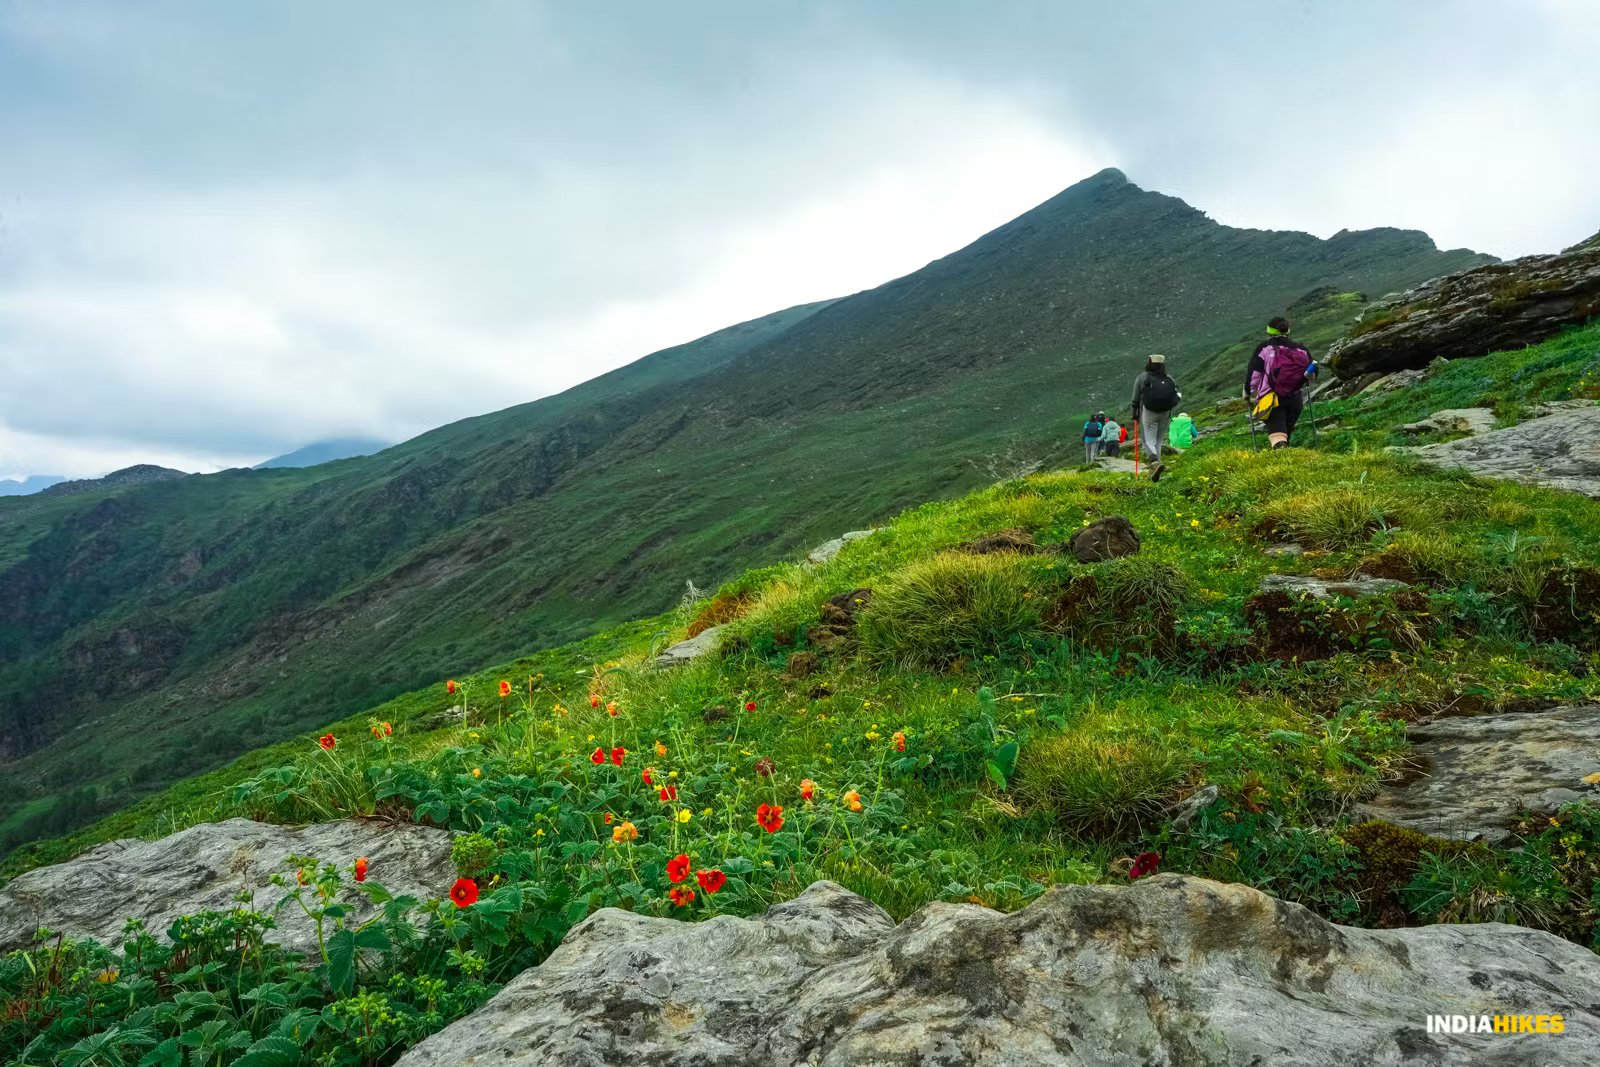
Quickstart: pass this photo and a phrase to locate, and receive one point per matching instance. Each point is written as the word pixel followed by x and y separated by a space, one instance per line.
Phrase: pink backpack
pixel 1285 366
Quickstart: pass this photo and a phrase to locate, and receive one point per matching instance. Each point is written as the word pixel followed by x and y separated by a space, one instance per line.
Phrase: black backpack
pixel 1160 393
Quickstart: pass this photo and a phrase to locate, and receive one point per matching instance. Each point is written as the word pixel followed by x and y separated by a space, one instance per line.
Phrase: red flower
pixel 450 686
pixel 808 789
pixel 617 755
pixel 597 757
pixel 669 792
pixel 608 818
pixel 594 702
pixel 681 895
pixel 765 766
pixel 749 705
pixel 387 729
pixel 464 892
pixel 505 689
pixel 327 741
pixel 710 881
pixel 678 867
pixel 899 741
pixel 361 868
pixel 1143 864
pixel 770 818
pixel 611 709
pixel 645 774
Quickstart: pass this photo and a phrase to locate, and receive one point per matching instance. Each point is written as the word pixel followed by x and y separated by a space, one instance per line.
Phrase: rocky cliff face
pixel 1473 313
pixel 1169 970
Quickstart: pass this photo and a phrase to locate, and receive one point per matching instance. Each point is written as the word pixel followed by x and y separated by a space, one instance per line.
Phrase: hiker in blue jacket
pixel 1155 395
pixel 1091 436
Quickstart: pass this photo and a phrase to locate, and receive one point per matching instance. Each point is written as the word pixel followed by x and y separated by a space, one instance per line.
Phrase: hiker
pixel 1091 436
pixel 1181 436
pixel 1272 382
pixel 1111 436
pixel 1155 394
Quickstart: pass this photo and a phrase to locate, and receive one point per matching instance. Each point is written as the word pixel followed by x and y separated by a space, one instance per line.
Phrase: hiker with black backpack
pixel 1272 382
pixel 1155 395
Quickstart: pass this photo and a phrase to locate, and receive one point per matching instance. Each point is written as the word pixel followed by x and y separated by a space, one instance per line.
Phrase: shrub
pixel 1335 518
pixel 723 608
pixel 1131 602
pixel 1097 786
pixel 950 607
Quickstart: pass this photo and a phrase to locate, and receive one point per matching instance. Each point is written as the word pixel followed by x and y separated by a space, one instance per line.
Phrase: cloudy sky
pixel 227 230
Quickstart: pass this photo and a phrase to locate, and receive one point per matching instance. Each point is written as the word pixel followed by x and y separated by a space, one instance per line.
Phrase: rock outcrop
pixel 1561 450
pixel 1479 773
pixel 1169 970
pixel 828 549
pixel 1478 311
pixel 203 867
pixel 1324 589
pixel 700 644
pixel 1471 421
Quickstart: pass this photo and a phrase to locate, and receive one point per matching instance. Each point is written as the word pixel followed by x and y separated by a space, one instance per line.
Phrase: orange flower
pixel 624 833
pixel 661 750
pixel 327 741
pixel 597 757
pixel 464 892
pixel 899 741
pixel 611 709
pixel 681 895
pixel 678 867
pixel 505 689
pixel 808 789
pixel 594 702
pixel 853 800
pixel 387 729
pixel 377 732
pixel 361 868
pixel 618 754
pixel 770 818
pixel 450 686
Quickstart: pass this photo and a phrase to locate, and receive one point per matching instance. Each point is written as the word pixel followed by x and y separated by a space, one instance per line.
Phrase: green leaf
pixel 166 1054
pixel 271 1051
pixel 342 961
pixel 1005 758
pixel 996 775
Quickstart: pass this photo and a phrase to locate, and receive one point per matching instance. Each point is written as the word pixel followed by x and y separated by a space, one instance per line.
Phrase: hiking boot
pixel 1156 471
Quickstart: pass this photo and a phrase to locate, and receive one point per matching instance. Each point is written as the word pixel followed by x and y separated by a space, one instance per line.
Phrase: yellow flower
pixel 705 813
pixel 1194 522
pixel 107 976
pixel 539 832
pixel 873 735
pixel 473 736
pixel 684 814
pixel 672 774
pixel 591 737
pixel 477 772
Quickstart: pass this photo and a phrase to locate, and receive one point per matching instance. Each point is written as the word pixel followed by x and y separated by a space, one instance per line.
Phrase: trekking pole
pixel 1312 415
pixel 1251 420
pixel 1136 448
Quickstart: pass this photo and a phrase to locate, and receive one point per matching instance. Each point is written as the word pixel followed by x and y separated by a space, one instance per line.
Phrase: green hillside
pixel 150 633
pixel 938 723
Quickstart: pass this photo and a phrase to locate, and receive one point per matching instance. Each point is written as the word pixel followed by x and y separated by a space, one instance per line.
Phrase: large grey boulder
pixel 203 867
pixel 1480 772
pixel 1168 970
pixel 1472 313
pixel 1327 588
pixel 1561 450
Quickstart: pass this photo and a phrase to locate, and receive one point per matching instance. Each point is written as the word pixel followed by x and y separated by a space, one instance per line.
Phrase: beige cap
pixel 1158 358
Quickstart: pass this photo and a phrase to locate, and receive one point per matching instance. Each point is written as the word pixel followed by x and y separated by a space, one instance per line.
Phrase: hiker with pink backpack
pixel 1272 381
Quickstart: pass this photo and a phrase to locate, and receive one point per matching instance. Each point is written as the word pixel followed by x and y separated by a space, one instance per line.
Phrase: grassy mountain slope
pixel 153 633
pixel 990 724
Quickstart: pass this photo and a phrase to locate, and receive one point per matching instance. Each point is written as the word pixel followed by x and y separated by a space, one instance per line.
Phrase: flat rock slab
pixel 1168 970
pixel 201 868
pixel 1561 450
pixel 828 549
pixel 699 645
pixel 1326 588
pixel 1454 420
pixel 1482 771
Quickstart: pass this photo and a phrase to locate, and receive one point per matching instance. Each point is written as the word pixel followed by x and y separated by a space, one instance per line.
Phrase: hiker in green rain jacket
pixel 1181 434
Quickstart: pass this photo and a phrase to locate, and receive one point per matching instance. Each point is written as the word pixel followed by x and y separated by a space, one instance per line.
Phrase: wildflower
pixel 300 876
pixel 681 895
pixel 749 705
pixel 899 741
pixel 608 818
pixel 450 686
pixel 624 833
pixel 684 814
pixel 765 766
pixel 710 881
pixel 464 892
pixel 678 867
pixel 540 831
pixel 473 736
pixel 668 792
pixel 617 755
pixel 873 735
pixel 808 789
pixel 611 709
pixel 661 750
pixel 387 729
pixel 705 812
pixel 597 757
pixel 646 776
pixel 327 741
pixel 852 800
pixel 505 689
pixel 770 818
pixel 1144 863
pixel 672 774
pixel 107 976
pixel 594 702
pixel 361 868
pixel 477 772
pixel 1194 522
pixel 377 733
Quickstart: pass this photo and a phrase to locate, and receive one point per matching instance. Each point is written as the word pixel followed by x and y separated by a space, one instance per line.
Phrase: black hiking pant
pixel 1286 414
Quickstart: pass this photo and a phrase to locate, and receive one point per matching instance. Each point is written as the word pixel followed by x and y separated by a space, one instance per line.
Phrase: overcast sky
pixel 227 230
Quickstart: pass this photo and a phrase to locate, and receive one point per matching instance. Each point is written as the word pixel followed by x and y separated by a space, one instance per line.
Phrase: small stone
pixel 1104 539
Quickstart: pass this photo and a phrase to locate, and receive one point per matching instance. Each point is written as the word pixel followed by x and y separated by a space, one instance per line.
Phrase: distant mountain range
pixel 325 452
pixel 195 618
pixel 31 484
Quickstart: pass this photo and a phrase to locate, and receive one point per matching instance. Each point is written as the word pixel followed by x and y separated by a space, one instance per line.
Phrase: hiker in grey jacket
pixel 1155 395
